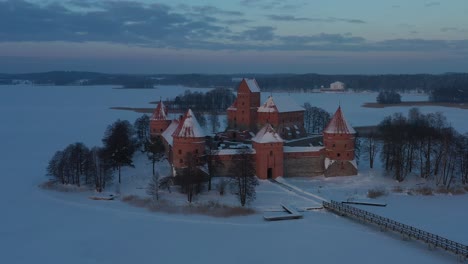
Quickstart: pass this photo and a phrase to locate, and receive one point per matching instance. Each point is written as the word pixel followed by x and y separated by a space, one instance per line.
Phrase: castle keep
pixel 273 132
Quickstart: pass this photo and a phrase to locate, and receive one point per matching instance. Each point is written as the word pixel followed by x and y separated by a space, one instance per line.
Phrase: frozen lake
pixel 51 227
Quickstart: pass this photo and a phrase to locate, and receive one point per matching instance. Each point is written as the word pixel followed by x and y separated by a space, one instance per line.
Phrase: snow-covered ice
pixel 39 226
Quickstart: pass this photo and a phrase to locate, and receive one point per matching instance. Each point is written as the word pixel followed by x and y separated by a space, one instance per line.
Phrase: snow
pixel 40 226
pixel 189 127
pixel 267 135
pixel 282 104
pixel 252 84
pixel 301 149
pixel 167 134
pixel 160 113
pixel 232 151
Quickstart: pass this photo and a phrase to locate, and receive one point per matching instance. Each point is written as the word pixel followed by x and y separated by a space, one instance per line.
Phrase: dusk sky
pixel 237 36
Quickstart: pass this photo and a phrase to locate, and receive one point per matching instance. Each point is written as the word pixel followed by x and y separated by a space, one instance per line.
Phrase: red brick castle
pixel 274 131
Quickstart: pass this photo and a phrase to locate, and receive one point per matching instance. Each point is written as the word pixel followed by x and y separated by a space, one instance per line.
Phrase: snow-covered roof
pixel 233 151
pixel 167 134
pixel 301 149
pixel 281 104
pixel 339 125
pixel 233 106
pixel 252 84
pixel 160 113
pixel 267 135
pixel 189 127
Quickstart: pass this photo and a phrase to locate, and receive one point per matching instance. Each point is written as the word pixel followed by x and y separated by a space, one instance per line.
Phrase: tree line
pixel 79 165
pixel 268 82
pixel 420 144
pixel 456 93
pixel 388 97
pixel 315 119
pixel 217 100
pixel 96 167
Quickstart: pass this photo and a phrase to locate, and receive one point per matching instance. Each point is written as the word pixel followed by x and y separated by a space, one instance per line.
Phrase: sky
pixel 235 36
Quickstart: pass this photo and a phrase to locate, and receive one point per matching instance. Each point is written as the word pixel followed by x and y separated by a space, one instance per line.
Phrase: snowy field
pixel 38 226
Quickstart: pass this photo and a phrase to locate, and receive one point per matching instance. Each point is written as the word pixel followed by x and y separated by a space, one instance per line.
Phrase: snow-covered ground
pixel 53 227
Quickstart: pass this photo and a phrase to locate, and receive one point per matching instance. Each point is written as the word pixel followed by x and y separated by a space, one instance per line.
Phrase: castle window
pixel 333 145
pixel 180 151
pixel 347 154
pixel 196 151
pixel 181 161
pixel 271 153
pixel 345 145
pixel 337 154
pixel 161 130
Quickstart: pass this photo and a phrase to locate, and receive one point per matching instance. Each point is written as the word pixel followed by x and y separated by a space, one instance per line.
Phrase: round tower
pixel 268 147
pixel 188 141
pixel 338 138
pixel 159 120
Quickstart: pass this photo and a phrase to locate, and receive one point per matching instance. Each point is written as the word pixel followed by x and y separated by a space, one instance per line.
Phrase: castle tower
pixel 338 139
pixel 268 147
pixel 242 114
pixel 188 138
pixel 159 120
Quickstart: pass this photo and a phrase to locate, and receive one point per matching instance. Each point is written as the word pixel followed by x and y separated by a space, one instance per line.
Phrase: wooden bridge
pixel 406 230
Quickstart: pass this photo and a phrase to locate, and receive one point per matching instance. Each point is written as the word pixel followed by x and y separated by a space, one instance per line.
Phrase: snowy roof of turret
pixel 267 135
pixel 167 134
pixel 338 124
pixel 160 113
pixel 252 84
pixel 281 104
pixel 189 127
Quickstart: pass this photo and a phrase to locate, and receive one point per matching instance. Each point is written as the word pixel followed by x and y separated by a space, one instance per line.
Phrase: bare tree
pixel 153 187
pixel 142 131
pixel 245 181
pixel 100 169
pixel 190 177
pixel 119 144
pixel 155 151
pixel 370 148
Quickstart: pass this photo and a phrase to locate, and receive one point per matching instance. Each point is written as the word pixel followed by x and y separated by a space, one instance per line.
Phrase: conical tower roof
pixel 267 135
pixel 189 127
pixel 338 124
pixel 160 113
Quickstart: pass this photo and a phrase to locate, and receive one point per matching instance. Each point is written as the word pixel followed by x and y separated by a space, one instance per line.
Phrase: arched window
pixel 271 152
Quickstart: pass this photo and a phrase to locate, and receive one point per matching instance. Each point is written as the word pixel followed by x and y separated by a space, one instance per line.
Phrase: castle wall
pixel 269 160
pixel 305 166
pixel 157 127
pixel 182 146
pixel 341 168
pixel 339 146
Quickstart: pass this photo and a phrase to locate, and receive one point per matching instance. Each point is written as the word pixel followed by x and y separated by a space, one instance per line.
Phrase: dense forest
pixel 268 82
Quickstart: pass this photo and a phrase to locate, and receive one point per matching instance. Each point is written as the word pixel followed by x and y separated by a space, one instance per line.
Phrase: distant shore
pixel 416 104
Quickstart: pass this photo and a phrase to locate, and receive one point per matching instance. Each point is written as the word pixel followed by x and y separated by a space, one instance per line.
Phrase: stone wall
pixel 304 166
pixel 341 168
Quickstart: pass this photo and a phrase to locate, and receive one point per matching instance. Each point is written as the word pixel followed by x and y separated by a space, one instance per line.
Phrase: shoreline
pixel 416 104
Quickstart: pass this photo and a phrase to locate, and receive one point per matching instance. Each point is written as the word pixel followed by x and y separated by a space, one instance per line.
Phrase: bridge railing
pixel 389 224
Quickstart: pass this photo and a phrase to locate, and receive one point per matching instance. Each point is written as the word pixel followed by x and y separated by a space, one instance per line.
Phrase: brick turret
pixel 159 120
pixel 242 114
pixel 338 139
pixel 268 147
pixel 188 137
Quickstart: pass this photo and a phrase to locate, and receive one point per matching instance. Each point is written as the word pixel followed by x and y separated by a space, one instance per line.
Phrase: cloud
pixel 192 27
pixel 272 4
pixel 431 4
pixel 261 33
pixel 324 20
